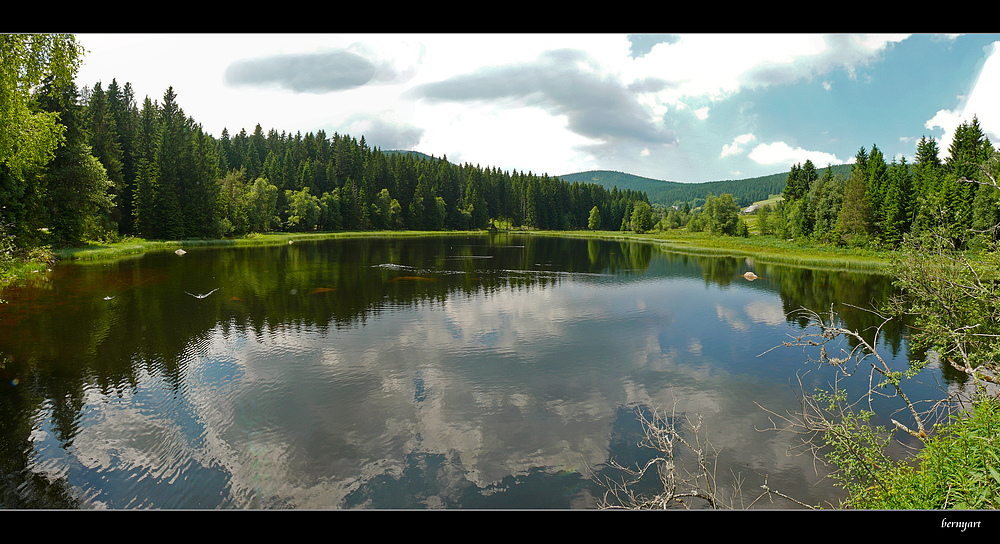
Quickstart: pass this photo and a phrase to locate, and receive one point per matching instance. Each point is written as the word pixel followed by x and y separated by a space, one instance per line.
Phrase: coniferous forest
pixel 150 170
pixel 883 201
pixel 93 163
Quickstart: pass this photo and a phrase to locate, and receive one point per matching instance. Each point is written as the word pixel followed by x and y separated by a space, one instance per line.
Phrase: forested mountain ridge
pixel 745 191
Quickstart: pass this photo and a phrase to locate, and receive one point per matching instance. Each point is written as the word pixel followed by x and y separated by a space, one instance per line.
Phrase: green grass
pixel 761 248
pixel 138 246
pixel 772 201
pixel 24 267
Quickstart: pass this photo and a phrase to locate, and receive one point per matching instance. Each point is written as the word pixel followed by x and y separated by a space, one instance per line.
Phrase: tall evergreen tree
pixel 828 194
pixel 29 136
pixel 927 178
pixel 78 193
pixel 121 103
pixel 898 203
pixel 105 142
pixel 876 182
pixel 854 220
pixel 968 151
pixel 171 151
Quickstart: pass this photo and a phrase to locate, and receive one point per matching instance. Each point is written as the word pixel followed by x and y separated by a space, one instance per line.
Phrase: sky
pixel 677 107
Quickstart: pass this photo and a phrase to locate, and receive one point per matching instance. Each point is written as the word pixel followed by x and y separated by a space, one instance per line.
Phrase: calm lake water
pixel 493 371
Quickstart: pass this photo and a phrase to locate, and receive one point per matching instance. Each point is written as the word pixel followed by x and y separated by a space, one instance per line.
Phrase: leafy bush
pixel 958 468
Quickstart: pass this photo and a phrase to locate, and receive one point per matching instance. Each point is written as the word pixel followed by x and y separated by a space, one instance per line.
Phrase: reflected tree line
pixel 855 297
pixel 108 326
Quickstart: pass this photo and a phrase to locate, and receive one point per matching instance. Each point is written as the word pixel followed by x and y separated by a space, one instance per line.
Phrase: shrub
pixel 958 468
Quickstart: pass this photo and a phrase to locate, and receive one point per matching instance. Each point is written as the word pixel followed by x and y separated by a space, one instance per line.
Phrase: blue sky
pixel 689 107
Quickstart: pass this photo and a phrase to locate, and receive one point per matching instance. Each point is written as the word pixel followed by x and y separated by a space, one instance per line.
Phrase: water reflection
pixel 489 371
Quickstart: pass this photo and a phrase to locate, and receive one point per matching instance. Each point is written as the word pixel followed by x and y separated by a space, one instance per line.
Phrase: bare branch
pixel 662 435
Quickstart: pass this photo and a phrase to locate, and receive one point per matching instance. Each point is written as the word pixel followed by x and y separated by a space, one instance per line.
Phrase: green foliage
pixel 857 448
pixel 642 217
pixel 827 195
pixel 303 210
pixel 954 299
pixel 800 179
pixel 167 180
pixel 742 229
pixel 329 205
pixel 79 195
pixel 854 220
pixel 958 468
pixel 722 214
pixel 897 205
pixel 29 137
pixel 594 221
pixel 744 191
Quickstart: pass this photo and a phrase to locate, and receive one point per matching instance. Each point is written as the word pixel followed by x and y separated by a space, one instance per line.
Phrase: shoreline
pixel 760 249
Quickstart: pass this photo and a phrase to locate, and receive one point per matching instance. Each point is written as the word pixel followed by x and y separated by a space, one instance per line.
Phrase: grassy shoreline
pixel 764 249
pixel 138 246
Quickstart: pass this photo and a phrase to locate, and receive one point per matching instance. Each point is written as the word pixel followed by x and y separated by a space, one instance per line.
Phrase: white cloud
pixel 980 102
pixel 659 91
pixel 735 147
pixel 712 67
pixel 782 153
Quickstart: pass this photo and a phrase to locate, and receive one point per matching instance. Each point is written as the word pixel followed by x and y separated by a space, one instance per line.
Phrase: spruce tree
pixel 968 151
pixel 104 141
pixel 927 180
pixel 897 206
pixel 171 151
pixel 78 196
pixel 121 103
pixel 876 183
pixel 854 220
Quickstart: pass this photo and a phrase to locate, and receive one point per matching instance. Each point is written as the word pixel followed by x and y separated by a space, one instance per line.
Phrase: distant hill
pixel 416 154
pixel 745 191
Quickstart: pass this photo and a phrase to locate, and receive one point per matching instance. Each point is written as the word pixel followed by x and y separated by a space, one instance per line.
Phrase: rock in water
pixel 180 252
pixel 750 276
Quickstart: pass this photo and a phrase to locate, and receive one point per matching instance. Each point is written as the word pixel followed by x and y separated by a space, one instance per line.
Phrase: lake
pixel 473 371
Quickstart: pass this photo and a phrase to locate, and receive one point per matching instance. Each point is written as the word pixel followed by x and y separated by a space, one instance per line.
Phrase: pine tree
pixel 200 185
pixel 793 184
pixel 876 183
pixel 898 203
pixel 104 141
pixel 78 194
pixel 829 197
pixel 27 60
pixel 642 217
pixel 121 103
pixel 854 220
pixel 968 151
pixel 927 178
pixel 171 150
